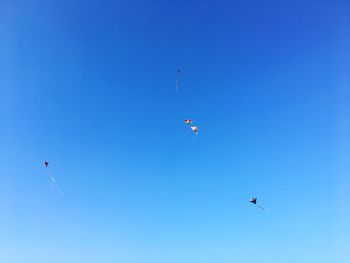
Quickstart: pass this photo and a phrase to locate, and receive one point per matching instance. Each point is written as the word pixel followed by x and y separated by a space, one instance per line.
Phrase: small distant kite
pixel 52 179
pixel 195 129
pixel 254 200
pixel 178 72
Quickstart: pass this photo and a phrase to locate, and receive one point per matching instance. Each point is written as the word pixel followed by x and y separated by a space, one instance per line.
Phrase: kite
pixel 254 200
pixel 52 179
pixel 195 129
pixel 178 72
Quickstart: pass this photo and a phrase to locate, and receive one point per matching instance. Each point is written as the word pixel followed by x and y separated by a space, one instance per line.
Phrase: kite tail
pixel 177 80
pixel 51 177
pixel 193 138
pixel 53 182
pixel 260 207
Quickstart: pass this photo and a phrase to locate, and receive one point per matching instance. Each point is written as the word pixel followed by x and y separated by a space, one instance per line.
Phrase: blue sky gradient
pixel 89 86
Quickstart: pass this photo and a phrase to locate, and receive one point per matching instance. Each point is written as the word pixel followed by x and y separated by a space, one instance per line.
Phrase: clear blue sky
pixel 89 86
